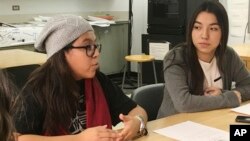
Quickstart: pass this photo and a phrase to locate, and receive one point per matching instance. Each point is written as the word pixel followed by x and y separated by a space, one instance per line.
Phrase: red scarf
pixel 97 110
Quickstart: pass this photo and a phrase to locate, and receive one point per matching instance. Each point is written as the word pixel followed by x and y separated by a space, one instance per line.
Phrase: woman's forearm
pixel 139 111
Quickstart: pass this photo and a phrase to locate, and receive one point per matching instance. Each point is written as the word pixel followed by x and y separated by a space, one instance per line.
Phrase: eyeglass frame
pixel 90 49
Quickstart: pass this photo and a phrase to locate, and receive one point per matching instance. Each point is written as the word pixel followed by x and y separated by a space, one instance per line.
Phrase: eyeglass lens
pixel 90 49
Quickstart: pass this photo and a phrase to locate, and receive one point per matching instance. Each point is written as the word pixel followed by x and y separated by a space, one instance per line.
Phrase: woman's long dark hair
pixel 195 75
pixel 195 72
pixel 55 89
pixel 8 92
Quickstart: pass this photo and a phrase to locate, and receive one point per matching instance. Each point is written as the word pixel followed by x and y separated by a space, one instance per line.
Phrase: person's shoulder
pixel 176 53
pixel 230 52
pixel 229 49
pixel 178 48
pixel 175 56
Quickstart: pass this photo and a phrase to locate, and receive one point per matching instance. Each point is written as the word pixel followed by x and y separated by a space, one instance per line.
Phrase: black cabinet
pixel 147 69
pixel 170 16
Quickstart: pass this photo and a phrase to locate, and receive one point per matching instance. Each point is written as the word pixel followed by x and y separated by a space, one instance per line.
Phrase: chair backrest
pixel 20 74
pixel 149 97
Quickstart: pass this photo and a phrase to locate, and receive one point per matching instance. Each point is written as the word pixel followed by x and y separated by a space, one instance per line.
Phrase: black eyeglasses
pixel 90 49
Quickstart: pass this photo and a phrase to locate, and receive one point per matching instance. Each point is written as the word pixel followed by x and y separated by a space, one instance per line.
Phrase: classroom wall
pixel 140 10
pixel 58 6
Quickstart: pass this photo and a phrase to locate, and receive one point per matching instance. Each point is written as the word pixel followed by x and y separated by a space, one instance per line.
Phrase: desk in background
pixel 19 57
pixel 220 119
pixel 114 42
pixel 244 53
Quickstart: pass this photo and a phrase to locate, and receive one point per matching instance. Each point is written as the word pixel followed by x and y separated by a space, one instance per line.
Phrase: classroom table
pixel 220 119
pixel 19 57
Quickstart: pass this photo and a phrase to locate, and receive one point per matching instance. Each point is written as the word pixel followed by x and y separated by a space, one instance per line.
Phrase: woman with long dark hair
pixel 199 73
pixel 68 98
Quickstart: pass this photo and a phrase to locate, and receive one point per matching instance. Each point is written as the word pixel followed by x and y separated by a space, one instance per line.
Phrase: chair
pixel 149 97
pixel 20 74
pixel 139 59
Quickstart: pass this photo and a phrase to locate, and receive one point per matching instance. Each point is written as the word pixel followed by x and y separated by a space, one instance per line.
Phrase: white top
pixel 212 74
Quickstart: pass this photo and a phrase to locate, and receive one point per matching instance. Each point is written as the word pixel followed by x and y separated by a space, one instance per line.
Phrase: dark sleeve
pixel 29 119
pixel 118 102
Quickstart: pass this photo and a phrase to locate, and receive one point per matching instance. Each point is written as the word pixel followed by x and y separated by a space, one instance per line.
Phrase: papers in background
pixel 99 21
pixel 92 21
pixel 21 35
pixel 42 19
pixel 191 131
pixel 245 109
pixel 24 34
pixel 158 50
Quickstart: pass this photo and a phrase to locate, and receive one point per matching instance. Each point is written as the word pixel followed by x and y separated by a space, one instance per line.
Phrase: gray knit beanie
pixel 59 32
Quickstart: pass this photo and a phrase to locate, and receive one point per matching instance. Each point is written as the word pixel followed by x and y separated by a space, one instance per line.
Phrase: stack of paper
pixel 191 131
pixel 99 21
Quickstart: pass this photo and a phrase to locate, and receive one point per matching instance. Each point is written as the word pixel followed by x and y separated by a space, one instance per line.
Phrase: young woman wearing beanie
pixel 67 98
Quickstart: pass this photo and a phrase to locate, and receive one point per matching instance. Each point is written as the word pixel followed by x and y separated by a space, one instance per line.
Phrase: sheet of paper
pixel 191 131
pixel 21 35
pixel 158 50
pixel 245 109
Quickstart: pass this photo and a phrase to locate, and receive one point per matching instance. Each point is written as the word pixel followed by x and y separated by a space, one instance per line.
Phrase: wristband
pixel 143 130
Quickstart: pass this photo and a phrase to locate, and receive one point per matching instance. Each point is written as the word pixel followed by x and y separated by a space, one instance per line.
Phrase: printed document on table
pixel 158 50
pixel 191 131
pixel 245 109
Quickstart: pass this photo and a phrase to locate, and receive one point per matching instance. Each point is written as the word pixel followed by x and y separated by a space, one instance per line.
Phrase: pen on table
pixel 217 79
